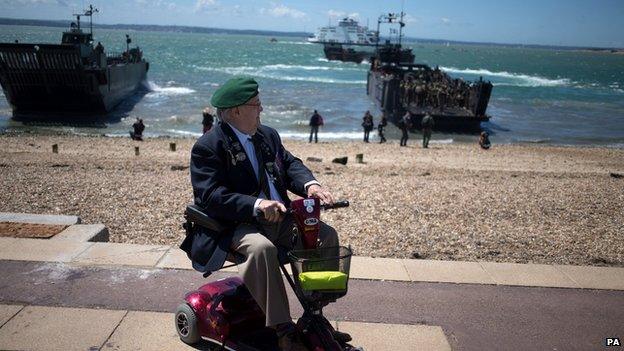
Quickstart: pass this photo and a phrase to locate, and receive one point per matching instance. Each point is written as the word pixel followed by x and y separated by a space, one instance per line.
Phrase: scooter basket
pixel 322 269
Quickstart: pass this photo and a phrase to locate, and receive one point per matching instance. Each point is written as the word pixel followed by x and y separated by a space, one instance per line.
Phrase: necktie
pixel 262 178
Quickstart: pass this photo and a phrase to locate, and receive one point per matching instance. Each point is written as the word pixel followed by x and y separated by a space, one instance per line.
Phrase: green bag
pixel 327 280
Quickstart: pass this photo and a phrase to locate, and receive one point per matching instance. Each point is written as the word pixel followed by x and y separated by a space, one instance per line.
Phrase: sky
pixel 598 23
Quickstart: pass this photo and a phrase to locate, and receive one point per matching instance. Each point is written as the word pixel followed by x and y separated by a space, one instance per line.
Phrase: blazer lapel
pixel 234 149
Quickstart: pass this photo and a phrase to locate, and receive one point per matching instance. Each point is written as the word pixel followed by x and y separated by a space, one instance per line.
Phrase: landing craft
pixel 74 80
pixel 397 85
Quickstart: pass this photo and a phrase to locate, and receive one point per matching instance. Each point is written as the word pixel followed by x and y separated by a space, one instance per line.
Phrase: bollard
pixel 359 158
pixel 136 150
pixel 172 147
pixel 341 160
pixel 55 148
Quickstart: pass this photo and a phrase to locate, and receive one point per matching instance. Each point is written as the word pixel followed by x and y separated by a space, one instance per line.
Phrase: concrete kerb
pixel 84 232
pixel 118 330
pixel 38 218
pixel 171 257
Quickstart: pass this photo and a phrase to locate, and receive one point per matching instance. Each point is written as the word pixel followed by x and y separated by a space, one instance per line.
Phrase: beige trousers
pixel 261 272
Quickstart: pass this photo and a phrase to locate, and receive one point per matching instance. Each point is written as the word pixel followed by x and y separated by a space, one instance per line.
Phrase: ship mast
pixel 88 12
pixel 390 18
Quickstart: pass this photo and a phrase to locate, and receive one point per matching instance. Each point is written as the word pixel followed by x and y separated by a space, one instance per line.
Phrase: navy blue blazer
pixel 225 186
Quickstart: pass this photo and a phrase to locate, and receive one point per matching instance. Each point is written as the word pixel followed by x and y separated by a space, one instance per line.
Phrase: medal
pixel 232 158
pixel 241 156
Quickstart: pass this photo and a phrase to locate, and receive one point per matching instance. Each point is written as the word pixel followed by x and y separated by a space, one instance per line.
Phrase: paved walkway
pixel 69 293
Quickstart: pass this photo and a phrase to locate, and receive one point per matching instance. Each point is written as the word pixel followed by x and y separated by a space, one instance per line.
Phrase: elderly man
pixel 240 172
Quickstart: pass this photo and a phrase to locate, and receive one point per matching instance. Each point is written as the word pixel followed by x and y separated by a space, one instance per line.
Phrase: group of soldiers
pixel 436 89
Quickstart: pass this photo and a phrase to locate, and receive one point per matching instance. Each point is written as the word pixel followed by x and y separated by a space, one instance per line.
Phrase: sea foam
pixel 517 79
pixel 156 89
pixel 271 72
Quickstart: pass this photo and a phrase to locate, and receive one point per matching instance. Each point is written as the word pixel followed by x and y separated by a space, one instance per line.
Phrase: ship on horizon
pixel 74 80
pixel 347 41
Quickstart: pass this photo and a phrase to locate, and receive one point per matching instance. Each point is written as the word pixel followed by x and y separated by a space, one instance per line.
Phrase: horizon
pixel 554 23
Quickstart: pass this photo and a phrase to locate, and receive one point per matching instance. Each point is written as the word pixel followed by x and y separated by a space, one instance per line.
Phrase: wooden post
pixel 55 148
pixel 359 158
pixel 172 147
pixel 136 150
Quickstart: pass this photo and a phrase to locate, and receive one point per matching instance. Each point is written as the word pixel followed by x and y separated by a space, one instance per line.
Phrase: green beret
pixel 235 92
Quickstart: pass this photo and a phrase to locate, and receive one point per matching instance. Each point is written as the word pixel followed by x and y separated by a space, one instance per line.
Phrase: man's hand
pixel 273 210
pixel 323 194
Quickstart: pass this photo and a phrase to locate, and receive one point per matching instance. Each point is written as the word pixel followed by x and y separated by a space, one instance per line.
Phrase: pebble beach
pixel 521 203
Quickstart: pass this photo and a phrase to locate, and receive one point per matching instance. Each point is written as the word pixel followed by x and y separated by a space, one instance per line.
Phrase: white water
pixel 517 79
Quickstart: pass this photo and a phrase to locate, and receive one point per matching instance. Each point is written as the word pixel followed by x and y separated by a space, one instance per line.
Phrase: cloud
pixel 409 18
pixel 205 5
pixel 335 13
pixel 35 2
pixel 445 21
pixel 279 10
pixel 341 14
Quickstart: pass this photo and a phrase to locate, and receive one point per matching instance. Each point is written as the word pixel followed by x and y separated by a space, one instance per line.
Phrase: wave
pixel 184 132
pixel 519 79
pixel 309 68
pixel 441 141
pixel 156 89
pixel 262 72
pixel 295 42
pixel 322 135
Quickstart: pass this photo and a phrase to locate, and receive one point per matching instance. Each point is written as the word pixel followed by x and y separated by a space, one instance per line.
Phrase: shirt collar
pixel 242 137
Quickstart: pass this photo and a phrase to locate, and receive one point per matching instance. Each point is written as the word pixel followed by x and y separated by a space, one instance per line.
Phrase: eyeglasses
pixel 253 104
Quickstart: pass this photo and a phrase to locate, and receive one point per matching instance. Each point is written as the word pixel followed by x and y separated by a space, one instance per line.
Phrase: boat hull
pixel 48 81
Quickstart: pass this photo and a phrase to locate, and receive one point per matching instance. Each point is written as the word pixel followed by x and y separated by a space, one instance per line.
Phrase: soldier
pixel 427 124
pixel 367 124
pixel 380 128
pixel 315 122
pixel 484 141
pixel 138 128
pixel 405 123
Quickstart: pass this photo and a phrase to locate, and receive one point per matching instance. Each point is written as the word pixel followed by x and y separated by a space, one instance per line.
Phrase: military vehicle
pixel 398 85
pixel 73 80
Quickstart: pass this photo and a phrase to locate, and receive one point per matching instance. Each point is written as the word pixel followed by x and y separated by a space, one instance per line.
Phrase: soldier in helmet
pixel 427 124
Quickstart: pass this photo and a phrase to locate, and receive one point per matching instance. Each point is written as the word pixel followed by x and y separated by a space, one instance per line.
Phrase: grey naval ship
pixel 74 80
pixel 397 85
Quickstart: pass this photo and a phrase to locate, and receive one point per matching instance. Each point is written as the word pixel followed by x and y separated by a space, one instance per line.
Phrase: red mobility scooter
pixel 224 313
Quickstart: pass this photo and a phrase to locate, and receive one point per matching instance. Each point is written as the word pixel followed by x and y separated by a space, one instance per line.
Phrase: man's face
pixel 248 116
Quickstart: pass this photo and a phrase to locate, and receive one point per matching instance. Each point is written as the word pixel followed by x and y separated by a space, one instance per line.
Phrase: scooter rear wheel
pixel 186 324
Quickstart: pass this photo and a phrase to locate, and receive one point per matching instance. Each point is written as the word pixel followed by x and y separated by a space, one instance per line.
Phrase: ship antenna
pixel 401 23
pixel 89 13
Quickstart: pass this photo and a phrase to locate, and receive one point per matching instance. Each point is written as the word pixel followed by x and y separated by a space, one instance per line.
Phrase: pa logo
pixel 613 342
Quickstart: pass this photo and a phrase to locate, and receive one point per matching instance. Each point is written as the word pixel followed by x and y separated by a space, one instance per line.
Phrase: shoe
pixel 290 342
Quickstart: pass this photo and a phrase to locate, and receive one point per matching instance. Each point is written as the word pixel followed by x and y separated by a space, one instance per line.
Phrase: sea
pixel 540 95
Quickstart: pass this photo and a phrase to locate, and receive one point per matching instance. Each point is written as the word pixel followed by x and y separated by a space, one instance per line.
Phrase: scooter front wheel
pixel 186 324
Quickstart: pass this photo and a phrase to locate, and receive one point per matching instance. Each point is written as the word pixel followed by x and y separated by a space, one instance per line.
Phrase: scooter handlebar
pixel 337 204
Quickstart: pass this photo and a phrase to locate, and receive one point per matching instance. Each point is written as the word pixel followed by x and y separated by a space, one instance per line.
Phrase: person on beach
pixel 405 123
pixel 427 125
pixel 240 173
pixel 315 122
pixel 207 120
pixel 484 141
pixel 138 128
pixel 380 128
pixel 367 124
